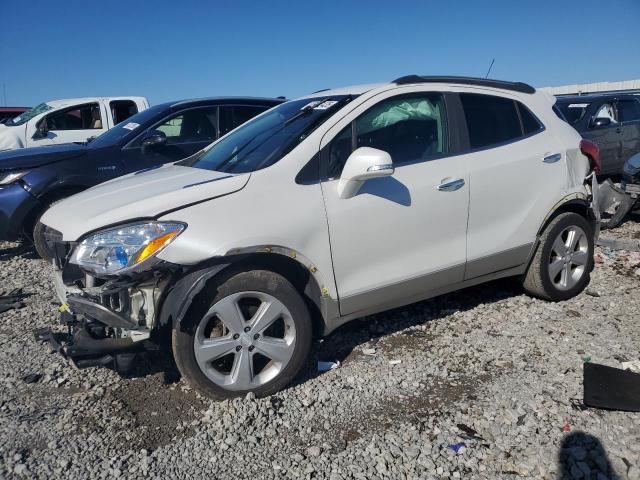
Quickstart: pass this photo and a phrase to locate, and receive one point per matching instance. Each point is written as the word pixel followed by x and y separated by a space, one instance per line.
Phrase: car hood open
pixel 24 158
pixel 141 195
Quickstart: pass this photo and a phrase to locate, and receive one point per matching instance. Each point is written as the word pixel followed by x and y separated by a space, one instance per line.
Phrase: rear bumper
pixel 15 206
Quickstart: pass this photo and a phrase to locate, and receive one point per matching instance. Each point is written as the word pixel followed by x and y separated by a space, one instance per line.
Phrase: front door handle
pixel 552 158
pixel 450 185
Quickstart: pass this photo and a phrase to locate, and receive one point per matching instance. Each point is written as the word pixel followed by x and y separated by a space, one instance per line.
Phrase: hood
pixel 36 157
pixel 145 194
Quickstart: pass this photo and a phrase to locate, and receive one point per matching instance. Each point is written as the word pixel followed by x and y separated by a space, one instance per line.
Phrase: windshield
pixel 134 123
pixel 263 141
pixel 573 112
pixel 28 115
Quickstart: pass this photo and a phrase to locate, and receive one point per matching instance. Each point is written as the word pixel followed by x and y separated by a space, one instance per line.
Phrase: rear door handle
pixel 552 158
pixel 450 185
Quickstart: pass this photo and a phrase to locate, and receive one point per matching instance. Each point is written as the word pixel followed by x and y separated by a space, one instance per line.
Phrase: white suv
pixel 322 210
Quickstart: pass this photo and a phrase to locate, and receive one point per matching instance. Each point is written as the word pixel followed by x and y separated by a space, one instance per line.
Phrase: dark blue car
pixel 33 179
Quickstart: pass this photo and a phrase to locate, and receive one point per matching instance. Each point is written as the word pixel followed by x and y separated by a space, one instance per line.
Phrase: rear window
pixel 491 120
pixel 573 112
pixel 628 110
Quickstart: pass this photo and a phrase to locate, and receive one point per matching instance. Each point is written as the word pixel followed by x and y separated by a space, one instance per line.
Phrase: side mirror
pixel 154 139
pixel 41 130
pixel 601 122
pixel 363 164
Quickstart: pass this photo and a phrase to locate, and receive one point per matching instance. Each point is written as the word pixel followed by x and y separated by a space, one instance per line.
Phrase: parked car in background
pixel 613 123
pixel 33 179
pixel 7 113
pixel 67 121
pixel 610 121
pixel 321 210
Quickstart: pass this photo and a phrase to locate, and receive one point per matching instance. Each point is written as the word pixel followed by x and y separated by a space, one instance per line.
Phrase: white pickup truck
pixel 67 121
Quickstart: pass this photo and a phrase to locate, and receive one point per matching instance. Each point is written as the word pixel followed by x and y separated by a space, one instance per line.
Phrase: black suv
pixel 32 179
pixel 610 121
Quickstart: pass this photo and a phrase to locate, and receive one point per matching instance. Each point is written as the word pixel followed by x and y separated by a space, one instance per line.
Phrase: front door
pixel 404 235
pixel 607 137
pixel 74 124
pixel 187 132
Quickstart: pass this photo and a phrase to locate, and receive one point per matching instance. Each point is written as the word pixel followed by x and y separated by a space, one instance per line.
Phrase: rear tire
pixel 561 266
pixel 249 332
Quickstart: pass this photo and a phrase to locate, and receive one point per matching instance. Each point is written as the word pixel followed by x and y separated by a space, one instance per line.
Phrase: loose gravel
pixel 484 383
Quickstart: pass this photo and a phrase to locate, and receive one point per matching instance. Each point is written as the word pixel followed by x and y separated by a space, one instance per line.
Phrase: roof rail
pixel 483 82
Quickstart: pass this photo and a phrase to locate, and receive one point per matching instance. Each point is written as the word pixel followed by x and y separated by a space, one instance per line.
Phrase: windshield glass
pixel 573 112
pixel 28 115
pixel 263 141
pixel 135 123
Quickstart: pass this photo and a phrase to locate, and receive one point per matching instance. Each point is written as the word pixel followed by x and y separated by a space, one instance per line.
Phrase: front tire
pixel 40 241
pixel 561 266
pixel 251 332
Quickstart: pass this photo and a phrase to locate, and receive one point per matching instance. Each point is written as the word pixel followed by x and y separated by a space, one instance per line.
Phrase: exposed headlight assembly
pixel 122 249
pixel 7 178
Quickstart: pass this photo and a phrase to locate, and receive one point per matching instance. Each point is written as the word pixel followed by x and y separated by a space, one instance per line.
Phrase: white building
pixel 581 88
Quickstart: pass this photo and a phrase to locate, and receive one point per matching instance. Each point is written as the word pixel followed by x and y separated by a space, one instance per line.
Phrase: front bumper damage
pixel 106 322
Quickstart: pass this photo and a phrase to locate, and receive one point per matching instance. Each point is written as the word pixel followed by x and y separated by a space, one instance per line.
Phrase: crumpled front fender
pixel 182 293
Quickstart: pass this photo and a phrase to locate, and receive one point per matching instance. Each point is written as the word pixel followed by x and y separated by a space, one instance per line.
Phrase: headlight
pixel 7 178
pixel 121 249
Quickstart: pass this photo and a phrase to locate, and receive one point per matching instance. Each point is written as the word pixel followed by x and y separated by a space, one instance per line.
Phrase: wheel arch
pixel 303 276
pixel 45 199
pixel 577 205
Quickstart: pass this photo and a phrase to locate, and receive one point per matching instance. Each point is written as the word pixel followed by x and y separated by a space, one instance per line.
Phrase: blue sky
pixel 168 50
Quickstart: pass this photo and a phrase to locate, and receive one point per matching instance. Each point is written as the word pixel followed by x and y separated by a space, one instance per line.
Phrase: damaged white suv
pixel 319 211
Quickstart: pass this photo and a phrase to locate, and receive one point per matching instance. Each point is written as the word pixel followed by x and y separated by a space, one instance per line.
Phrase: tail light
pixel 592 152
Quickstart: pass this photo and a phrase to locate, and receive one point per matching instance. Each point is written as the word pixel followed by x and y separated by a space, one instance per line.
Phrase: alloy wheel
pixel 569 257
pixel 245 340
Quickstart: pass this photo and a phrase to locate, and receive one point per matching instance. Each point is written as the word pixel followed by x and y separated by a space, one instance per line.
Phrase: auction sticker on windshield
pixel 325 105
pixel 131 126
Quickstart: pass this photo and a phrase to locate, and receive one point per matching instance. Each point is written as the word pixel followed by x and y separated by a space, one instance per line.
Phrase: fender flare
pixel 181 295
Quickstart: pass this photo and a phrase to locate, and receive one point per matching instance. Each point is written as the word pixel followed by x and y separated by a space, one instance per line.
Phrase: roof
pixel 483 82
pixel 65 102
pixel 225 100
pixel 417 79
pixel 13 109
pixel 350 90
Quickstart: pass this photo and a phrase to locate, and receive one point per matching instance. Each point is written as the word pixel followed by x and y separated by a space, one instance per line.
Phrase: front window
pixel 573 112
pixel 28 115
pixel 84 117
pixel 135 123
pixel 264 140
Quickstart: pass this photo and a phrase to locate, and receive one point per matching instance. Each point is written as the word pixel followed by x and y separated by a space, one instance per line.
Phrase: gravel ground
pixel 483 383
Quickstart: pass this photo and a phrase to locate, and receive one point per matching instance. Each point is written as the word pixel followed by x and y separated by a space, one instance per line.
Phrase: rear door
pixel 629 115
pixel 120 110
pixel 517 169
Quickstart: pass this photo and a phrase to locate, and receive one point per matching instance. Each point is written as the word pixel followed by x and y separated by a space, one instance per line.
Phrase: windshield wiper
pixel 303 111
